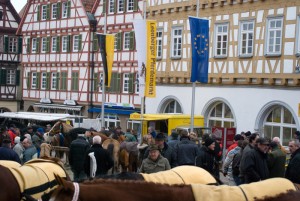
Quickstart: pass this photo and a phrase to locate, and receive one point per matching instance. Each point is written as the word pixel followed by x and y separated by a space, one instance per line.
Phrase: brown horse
pixel 147 191
pixel 94 133
pixel 113 147
pixel 29 181
pixel 129 156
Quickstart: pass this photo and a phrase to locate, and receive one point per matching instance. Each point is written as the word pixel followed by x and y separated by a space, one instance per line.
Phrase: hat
pixel 40 130
pixel 263 141
pixel 6 141
pixel 153 147
pixel 22 138
pixel 160 136
pixel 238 137
pixel 209 141
pixel 248 133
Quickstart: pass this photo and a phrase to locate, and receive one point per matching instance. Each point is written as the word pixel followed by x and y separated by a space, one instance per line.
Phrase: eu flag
pixel 200 49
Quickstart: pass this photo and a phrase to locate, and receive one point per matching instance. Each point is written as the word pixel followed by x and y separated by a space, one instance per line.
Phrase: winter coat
pixel 292 171
pixel 166 152
pixel 255 167
pixel 185 152
pixel 149 166
pixel 276 163
pixel 9 154
pixel 206 160
pixel 78 149
pixel 29 153
pixel 103 159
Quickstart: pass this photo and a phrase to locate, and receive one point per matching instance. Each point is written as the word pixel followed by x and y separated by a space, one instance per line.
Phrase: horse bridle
pixel 76 191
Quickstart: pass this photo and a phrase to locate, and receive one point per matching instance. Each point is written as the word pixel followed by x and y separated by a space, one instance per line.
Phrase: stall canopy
pixel 36 116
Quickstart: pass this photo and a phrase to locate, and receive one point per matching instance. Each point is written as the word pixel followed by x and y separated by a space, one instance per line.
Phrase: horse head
pixel 64 191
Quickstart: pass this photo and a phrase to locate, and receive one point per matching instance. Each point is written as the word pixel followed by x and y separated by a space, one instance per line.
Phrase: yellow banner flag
pixel 150 88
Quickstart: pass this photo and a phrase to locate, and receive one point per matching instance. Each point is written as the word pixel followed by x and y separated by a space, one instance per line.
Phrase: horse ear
pixel 61 182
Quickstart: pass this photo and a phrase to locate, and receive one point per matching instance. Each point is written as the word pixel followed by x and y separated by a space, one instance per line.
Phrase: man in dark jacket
pixel 255 167
pixel 292 171
pixel 102 158
pixel 6 153
pixel 276 161
pixel 78 149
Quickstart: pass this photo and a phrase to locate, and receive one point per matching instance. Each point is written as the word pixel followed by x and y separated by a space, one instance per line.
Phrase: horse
pixel 31 180
pixel 94 133
pixel 102 189
pixel 129 156
pixel 113 147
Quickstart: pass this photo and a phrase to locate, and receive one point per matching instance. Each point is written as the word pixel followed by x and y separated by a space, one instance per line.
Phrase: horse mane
pixel 288 196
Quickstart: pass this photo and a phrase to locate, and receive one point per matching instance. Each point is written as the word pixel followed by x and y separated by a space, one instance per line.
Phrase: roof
pixel 35 116
pixel 22 11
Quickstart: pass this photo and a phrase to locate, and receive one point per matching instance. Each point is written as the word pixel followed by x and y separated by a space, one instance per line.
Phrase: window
pixel 171 106
pixel 65 8
pixel 111 5
pixel 100 81
pixel 34 45
pixel 176 46
pixel 65 43
pixel 274 36
pixel 126 40
pixel 120 6
pixel 44 45
pixel 53 81
pixel 75 81
pixel 64 81
pixel 54 11
pixel 246 38
pixel 1 44
pixel 297 39
pixel 159 43
pixel 137 83
pixel 221 40
pixel 1 14
pixel 125 82
pixel 44 12
pixel 279 122
pixel 44 80
pixel 34 80
pixel 11 77
pixel 76 43
pixel 220 115
pixel 130 5
pixel 111 120
pixel 54 44
pixel 13 42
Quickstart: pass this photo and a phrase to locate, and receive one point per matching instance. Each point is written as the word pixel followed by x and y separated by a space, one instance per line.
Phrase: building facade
pixel 254 75
pixel 10 49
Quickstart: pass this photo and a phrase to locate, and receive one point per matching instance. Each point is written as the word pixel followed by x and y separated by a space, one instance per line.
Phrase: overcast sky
pixel 18 4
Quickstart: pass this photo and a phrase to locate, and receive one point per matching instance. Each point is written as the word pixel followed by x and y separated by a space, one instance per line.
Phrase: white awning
pixel 36 116
pixel 58 106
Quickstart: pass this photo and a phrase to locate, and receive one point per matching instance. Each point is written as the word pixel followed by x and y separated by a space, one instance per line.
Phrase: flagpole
pixel 103 83
pixel 194 87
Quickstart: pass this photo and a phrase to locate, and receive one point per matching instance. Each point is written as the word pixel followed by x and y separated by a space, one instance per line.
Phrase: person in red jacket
pixel 236 138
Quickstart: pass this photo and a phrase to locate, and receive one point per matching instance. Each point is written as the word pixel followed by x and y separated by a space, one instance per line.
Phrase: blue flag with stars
pixel 200 49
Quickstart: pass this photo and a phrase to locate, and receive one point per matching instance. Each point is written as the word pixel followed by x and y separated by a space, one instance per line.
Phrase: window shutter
pixel 113 83
pixel 104 6
pixel 48 80
pixel 58 10
pixel 28 45
pixel 95 40
pixel 131 83
pixel 96 81
pixel 69 43
pixel 69 9
pixel 115 6
pixel 58 44
pixel 38 78
pixel 131 43
pixel 37 45
pixel 48 45
pixel 38 13
pixel 119 41
pixel 6 44
pixel 118 87
pixel 20 45
pixel 135 5
pixel 80 43
pixel 3 76
pixel 57 81
pixel 48 12
pixel 125 5
pixel 18 77
pixel 28 80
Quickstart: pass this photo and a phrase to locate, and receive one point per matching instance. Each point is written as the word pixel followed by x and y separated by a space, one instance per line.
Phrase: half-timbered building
pixel 10 49
pixel 254 75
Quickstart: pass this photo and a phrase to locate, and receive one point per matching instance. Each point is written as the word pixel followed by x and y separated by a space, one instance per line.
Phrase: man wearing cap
pixel 38 139
pixel 154 162
pixel 292 171
pixel 6 153
pixel 255 166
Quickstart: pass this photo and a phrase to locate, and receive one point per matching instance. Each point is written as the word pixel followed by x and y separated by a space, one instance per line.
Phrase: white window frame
pixel 137 83
pixel 54 44
pixel 223 119
pixel 54 11
pixel 44 12
pixel 33 80
pixel 34 45
pixel 43 80
pixel 297 46
pixel 100 82
pixel 76 43
pixel 130 5
pixel 222 42
pixel 276 31
pixel 111 6
pixel 159 43
pixel 53 81
pixel 64 44
pixel 64 9
pixel 44 45
pixel 11 77
pixel 245 34
pixel 126 40
pixel 13 44
pixel 121 5
pixel 125 88
pixel 176 42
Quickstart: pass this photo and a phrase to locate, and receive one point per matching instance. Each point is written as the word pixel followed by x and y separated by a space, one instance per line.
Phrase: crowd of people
pixel 249 159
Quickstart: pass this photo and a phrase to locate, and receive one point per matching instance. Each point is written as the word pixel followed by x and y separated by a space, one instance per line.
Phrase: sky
pixel 18 4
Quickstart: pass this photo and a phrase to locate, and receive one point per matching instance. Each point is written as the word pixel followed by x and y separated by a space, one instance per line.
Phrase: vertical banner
pixel 140 35
pixel 150 90
pixel 200 49
pixel 106 45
